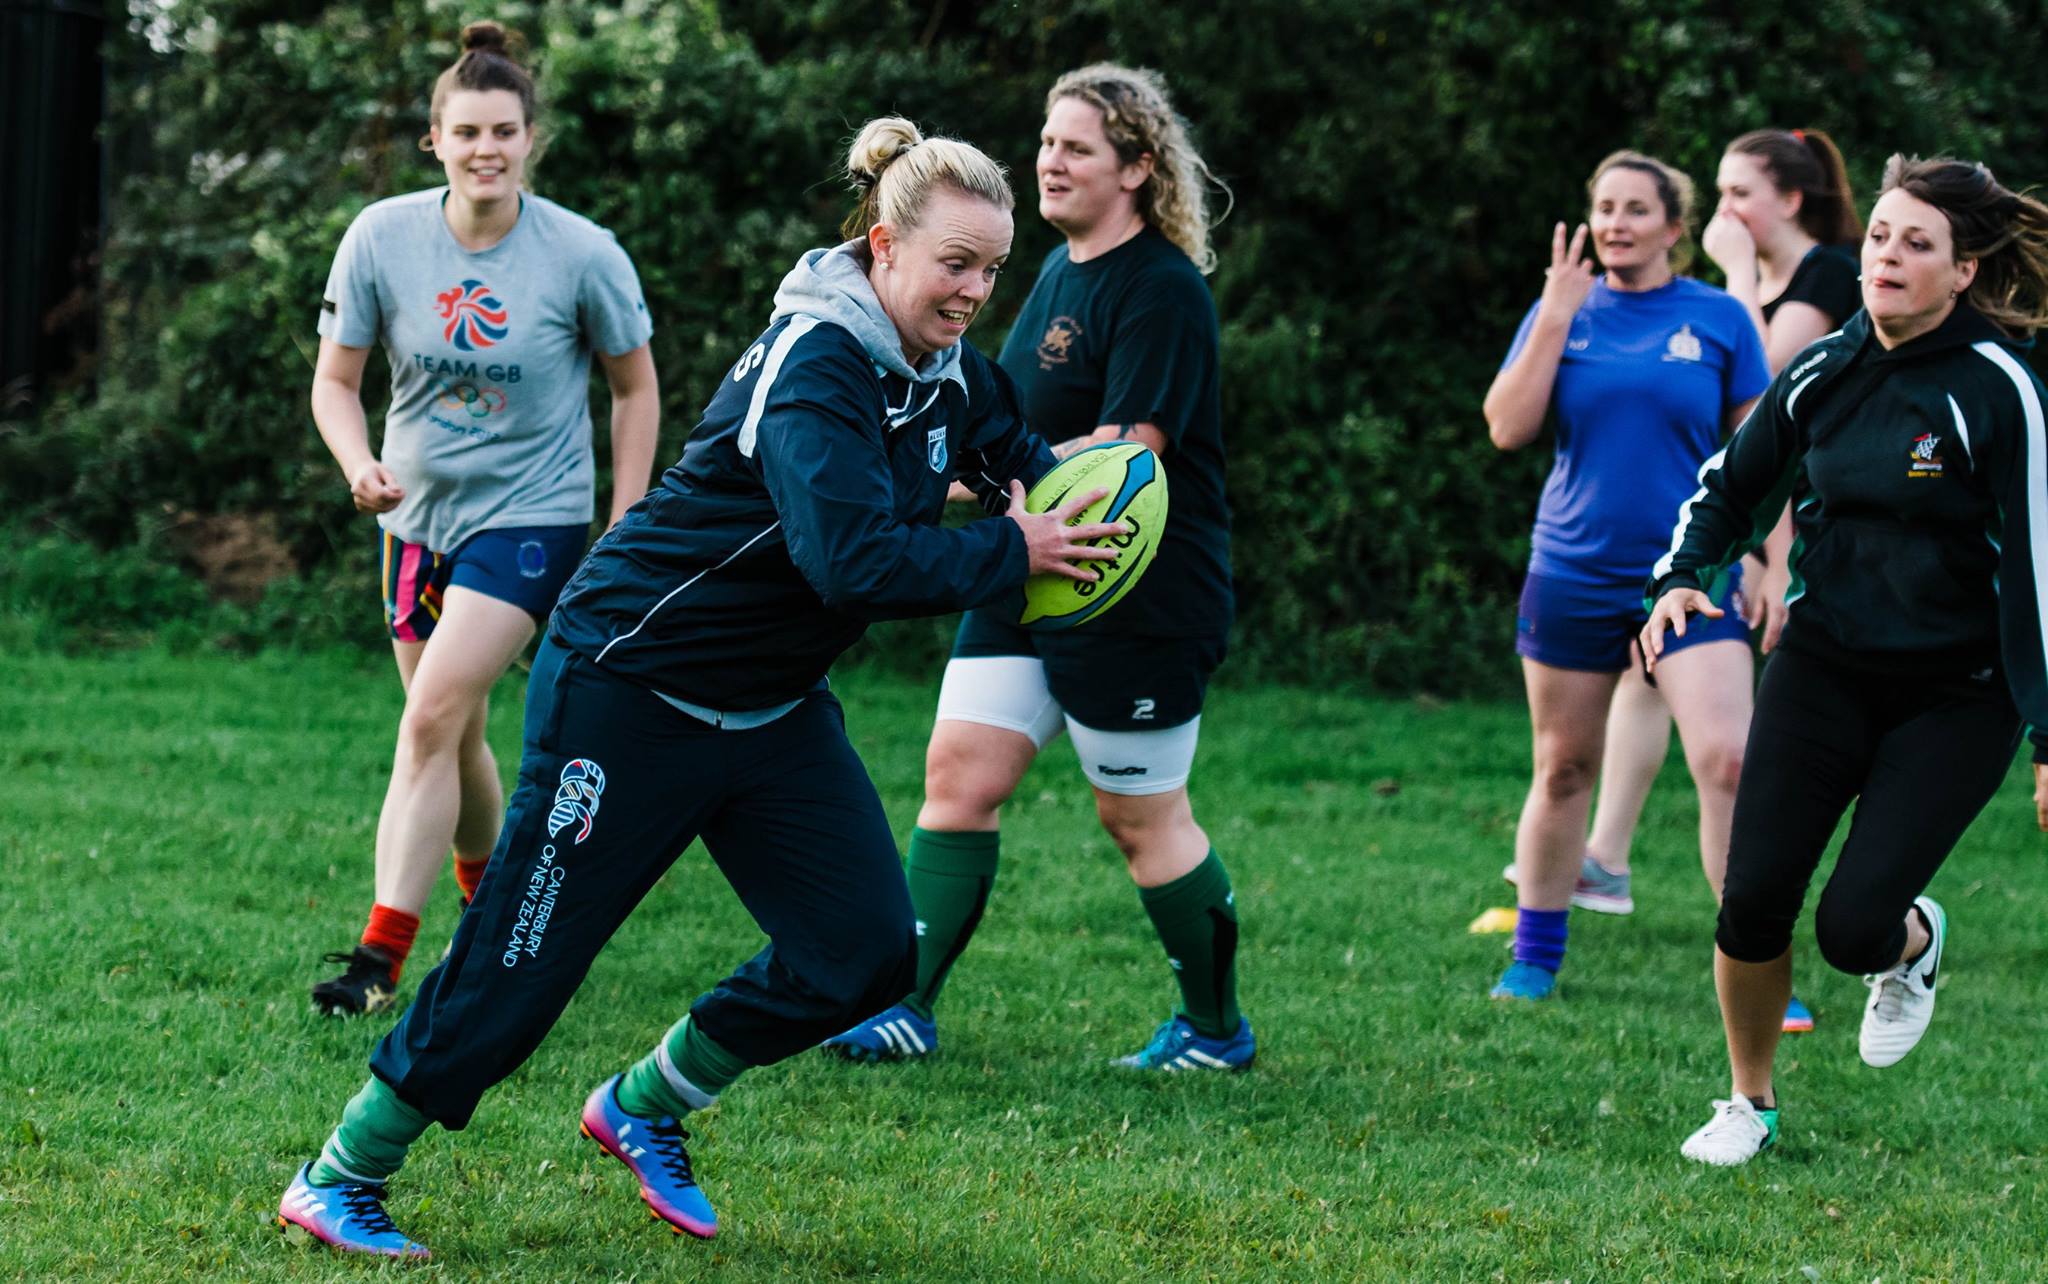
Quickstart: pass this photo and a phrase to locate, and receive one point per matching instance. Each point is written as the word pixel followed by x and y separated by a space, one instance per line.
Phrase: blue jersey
pixel 1641 401
pixel 806 505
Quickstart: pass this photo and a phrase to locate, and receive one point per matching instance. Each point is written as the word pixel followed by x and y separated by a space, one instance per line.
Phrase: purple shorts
pixel 1591 627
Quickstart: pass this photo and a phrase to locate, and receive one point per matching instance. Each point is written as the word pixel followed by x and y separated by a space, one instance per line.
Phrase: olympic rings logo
pixel 479 402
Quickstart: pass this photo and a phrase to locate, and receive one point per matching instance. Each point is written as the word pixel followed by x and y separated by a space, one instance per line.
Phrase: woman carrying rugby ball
pixel 489 301
pixel 680 693
pixel 1117 342
pixel 1645 371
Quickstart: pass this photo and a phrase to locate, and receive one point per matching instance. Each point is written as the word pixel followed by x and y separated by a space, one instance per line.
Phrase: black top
pixel 805 505
pixel 1921 524
pixel 1130 337
pixel 1827 279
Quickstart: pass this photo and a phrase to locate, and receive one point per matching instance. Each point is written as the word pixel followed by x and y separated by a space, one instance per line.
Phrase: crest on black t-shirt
pixel 1057 345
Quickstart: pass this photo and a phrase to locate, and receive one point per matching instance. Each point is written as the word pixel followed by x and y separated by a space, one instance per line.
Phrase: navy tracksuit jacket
pixel 805 505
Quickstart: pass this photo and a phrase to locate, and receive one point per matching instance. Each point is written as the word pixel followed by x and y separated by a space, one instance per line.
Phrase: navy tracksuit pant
pixel 613 784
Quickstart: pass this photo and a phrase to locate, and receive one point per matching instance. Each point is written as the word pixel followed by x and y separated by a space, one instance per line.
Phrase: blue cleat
pixel 349 1216
pixel 653 1150
pixel 895 1035
pixel 1524 981
pixel 1177 1045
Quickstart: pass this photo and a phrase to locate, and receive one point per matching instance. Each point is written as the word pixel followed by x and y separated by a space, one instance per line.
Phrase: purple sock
pixel 1539 937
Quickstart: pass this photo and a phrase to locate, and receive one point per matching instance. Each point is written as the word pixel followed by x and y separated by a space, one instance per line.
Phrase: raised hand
pixel 1727 241
pixel 1569 279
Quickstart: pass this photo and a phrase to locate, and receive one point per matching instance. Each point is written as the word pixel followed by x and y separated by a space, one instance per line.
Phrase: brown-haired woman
pixel 1645 371
pixel 489 301
pixel 1910 445
pixel 1784 234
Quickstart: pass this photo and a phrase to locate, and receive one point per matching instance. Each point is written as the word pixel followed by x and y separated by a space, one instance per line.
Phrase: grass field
pixel 181 838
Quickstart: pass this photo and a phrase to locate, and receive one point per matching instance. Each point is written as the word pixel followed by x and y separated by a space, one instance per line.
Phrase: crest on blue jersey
pixel 935 448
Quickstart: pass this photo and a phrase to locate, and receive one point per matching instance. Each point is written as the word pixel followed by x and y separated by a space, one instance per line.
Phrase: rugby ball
pixel 1137 497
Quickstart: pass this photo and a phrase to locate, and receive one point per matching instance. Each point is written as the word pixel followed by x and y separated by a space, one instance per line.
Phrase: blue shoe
pixel 1176 1045
pixel 896 1035
pixel 1524 981
pixel 349 1216
pixel 1798 1018
pixel 653 1150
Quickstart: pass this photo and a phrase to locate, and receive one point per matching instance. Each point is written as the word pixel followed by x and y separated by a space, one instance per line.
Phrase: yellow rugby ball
pixel 1137 497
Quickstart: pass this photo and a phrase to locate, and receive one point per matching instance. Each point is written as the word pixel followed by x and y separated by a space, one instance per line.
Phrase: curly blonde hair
pixel 895 169
pixel 1139 119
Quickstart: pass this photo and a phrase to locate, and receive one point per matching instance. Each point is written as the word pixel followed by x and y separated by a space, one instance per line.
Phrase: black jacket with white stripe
pixel 1919 483
pixel 805 506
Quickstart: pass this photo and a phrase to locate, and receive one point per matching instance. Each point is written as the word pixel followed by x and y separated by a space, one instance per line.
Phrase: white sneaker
pixel 1736 1133
pixel 1902 999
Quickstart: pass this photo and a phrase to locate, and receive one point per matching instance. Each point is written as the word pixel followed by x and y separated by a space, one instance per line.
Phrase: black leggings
pixel 1920 755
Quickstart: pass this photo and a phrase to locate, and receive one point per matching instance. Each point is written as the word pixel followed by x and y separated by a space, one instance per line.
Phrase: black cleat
pixel 365 986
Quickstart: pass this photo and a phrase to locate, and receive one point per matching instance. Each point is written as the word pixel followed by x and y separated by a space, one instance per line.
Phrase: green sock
pixel 685 1072
pixel 376 1130
pixel 1196 918
pixel 950 876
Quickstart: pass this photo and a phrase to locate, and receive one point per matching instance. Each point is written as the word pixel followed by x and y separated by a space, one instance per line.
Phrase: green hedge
pixel 1396 164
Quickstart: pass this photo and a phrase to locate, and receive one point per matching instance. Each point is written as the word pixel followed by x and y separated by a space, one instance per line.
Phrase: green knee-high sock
pixel 950 876
pixel 376 1130
pixel 685 1072
pixel 1196 918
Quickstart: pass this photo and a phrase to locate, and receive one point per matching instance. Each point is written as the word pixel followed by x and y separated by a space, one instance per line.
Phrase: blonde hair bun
pixel 880 142
pixel 896 169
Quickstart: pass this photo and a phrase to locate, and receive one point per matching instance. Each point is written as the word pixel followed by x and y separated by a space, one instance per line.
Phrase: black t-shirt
pixel 1826 279
pixel 1130 337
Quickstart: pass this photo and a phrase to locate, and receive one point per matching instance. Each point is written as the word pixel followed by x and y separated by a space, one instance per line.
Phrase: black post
pixel 52 100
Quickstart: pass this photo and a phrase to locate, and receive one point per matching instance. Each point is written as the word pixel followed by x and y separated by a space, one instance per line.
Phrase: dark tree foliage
pixel 1396 166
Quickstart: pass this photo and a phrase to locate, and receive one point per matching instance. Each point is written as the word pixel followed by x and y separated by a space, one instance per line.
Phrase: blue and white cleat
pixel 1177 1045
pixel 1524 981
pixel 348 1216
pixel 653 1150
pixel 895 1035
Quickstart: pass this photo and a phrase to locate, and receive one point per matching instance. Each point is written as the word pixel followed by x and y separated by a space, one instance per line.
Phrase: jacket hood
pixel 831 285
pixel 1963 326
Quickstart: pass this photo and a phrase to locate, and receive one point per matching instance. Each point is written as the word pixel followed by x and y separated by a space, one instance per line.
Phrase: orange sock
pixel 468 873
pixel 392 930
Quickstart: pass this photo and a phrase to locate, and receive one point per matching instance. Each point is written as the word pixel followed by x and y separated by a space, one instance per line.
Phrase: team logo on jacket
pixel 935 448
pixel 576 798
pixel 1924 460
pixel 1058 344
pixel 475 317
pixel 1684 346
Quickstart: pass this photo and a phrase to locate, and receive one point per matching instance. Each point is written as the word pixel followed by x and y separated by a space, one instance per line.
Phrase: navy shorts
pixel 523 565
pixel 1592 627
pixel 1108 681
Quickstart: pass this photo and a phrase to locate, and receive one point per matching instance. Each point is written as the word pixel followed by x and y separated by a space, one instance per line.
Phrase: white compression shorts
pixel 1009 691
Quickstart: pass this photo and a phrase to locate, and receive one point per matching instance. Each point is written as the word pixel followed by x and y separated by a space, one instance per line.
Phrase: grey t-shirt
pixel 490 359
